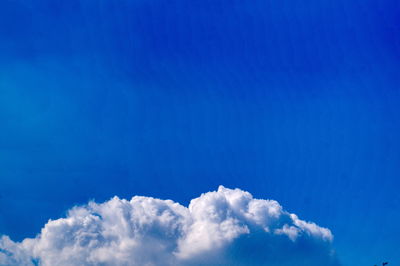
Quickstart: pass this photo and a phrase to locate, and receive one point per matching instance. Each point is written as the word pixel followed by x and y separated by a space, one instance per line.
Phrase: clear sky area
pixel 295 101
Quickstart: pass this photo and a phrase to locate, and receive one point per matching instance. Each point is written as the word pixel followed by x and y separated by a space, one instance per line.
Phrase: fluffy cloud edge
pixel 222 227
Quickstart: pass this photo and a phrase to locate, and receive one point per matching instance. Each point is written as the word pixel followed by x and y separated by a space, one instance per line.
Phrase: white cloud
pixel 224 227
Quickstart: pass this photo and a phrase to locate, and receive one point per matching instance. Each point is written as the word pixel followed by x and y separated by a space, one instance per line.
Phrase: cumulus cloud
pixel 223 227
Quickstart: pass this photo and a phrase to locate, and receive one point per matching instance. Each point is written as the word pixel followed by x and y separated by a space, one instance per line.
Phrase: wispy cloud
pixel 223 227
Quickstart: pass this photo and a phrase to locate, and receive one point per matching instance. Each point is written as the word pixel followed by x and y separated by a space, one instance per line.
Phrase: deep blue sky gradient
pixel 298 101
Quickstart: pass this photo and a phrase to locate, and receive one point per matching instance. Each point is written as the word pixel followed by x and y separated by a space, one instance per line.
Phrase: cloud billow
pixel 224 227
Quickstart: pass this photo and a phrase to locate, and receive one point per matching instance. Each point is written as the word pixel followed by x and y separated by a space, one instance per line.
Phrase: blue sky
pixel 290 100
